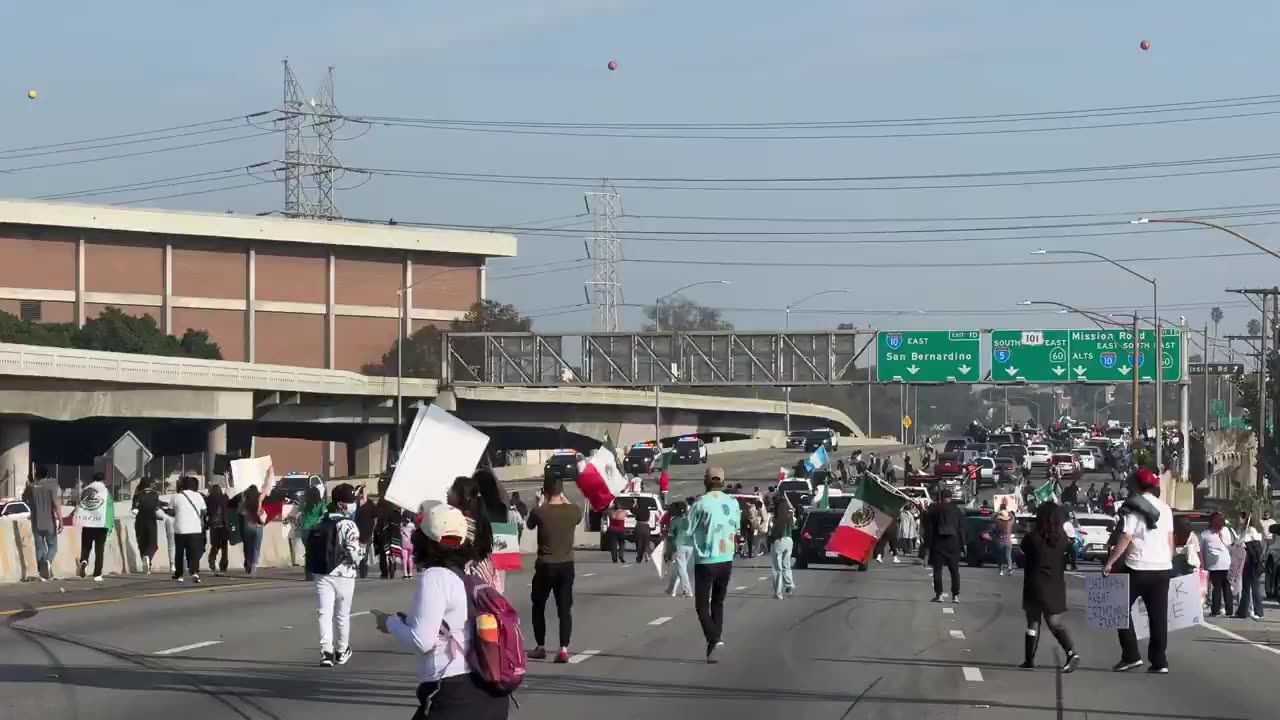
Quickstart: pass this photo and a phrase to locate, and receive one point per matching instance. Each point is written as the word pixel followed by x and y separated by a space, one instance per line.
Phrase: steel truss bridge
pixel 667 359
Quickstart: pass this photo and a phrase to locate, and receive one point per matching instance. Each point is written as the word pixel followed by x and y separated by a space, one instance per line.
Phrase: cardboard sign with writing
pixel 1107 601
pixel 1185 608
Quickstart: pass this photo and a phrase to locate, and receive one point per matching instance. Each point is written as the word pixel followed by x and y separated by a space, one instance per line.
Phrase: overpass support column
pixel 15 456
pixel 215 445
pixel 368 452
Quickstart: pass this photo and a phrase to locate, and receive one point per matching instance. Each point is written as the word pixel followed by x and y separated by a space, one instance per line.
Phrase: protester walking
pixel 909 527
pixel 556 519
pixel 679 542
pixel 251 521
pixel 617 535
pixel 1044 587
pixel 46 521
pixel 95 514
pixel 219 530
pixel 305 517
pixel 1145 542
pixel 1250 605
pixel 1186 548
pixel 334 552
pixel 439 628
pixel 1215 546
pixel 643 530
pixel 189 512
pixel 784 523
pixel 482 503
pixel 944 542
pixel 366 520
pixel 1004 538
pixel 146 521
pixel 714 526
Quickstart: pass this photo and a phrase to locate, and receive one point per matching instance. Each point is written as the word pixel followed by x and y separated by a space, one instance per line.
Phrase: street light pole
pixel 657 326
pixel 787 389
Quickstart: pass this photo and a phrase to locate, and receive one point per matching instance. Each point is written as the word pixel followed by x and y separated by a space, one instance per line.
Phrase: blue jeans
pixel 782 580
pixel 680 583
pixel 252 537
pixel 1004 553
pixel 46 548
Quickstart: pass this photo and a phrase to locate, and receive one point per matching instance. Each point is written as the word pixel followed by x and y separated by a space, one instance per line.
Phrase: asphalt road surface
pixel 849 645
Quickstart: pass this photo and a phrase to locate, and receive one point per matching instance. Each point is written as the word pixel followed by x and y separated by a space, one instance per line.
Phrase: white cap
pixel 443 523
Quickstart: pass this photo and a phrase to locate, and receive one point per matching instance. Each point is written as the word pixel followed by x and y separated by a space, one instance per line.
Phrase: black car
pixel 980 537
pixel 956 445
pixel 811 539
pixel 1015 451
pixel 639 460
pixel 815 439
pixel 795 440
pixel 563 465
pixel 689 451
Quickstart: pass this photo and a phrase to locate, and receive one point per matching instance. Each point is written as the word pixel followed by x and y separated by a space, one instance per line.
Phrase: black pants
pixel 1220 584
pixel 749 538
pixel 219 538
pixel 617 545
pixel 888 540
pixel 188 548
pixel 642 541
pixel 459 697
pixel 1153 587
pixel 949 560
pixel 548 579
pixel 1056 626
pixel 144 529
pixel 94 539
pixel 710 585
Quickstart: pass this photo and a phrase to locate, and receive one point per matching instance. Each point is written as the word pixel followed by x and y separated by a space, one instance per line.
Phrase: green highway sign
pixel 931 356
pixel 1106 356
pixel 1217 408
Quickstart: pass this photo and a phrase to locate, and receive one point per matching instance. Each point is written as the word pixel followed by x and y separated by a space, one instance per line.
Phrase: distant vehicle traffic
pixel 795 440
pixel 811 540
pixel 819 437
pixel 640 459
pixel 562 465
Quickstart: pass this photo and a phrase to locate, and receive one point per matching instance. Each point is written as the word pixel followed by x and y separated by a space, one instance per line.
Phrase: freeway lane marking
pixel 362 612
pixel 192 646
pixel 740 587
pixel 762 577
pixel 957 634
pixel 948 611
pixel 972 674
pixel 589 575
pixel 87 603
pixel 583 656
pixel 660 621
pixel 1240 638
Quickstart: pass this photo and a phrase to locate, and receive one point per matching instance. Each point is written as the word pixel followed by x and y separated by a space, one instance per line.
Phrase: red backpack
pixel 497 646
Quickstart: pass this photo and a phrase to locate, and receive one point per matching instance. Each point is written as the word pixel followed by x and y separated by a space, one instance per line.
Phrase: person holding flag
pixel 817 460
pixel 870 513
pixel 664 477
pixel 96 516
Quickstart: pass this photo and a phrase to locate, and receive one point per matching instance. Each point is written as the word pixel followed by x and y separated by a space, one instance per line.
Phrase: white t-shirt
pixel 187 508
pixel 1069 529
pixel 440 601
pixel 1216 547
pixel 1150 549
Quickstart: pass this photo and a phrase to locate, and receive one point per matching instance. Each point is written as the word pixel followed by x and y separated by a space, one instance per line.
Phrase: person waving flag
pixel 869 514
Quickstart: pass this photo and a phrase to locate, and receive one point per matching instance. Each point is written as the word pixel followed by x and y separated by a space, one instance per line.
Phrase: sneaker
pixel 955 599
pixel 1073 660
pixel 1257 618
pixel 44 579
pixel 179 579
pixel 195 579
pixel 936 598
pixel 895 560
pixel 719 643
pixel 777 596
pixel 711 653
pixel 538 653
pixel 344 656
pixel 562 657
pixel 1127 665
pixel 880 558
pixel 1027 665
pixel 1158 670
pixel 84 568
pixel 326 659
pixel 97 578
pixel 1217 614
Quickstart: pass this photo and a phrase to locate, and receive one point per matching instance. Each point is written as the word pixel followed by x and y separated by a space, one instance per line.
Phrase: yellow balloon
pixel 31 94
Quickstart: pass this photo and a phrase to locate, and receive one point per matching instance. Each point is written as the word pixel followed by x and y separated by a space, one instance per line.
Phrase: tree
pixel 683 314
pixel 422 348
pixel 1254 327
pixel 1215 315
pixel 112 331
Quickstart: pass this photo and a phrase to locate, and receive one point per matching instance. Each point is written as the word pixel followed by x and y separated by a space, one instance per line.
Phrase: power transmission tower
pixel 606 252
pixel 310 163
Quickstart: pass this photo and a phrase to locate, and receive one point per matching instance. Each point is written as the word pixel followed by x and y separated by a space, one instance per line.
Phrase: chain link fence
pixel 164 471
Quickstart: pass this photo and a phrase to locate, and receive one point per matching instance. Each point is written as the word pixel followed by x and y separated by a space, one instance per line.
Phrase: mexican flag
pixel 1044 493
pixel 96 509
pixel 506 546
pixel 599 479
pixel 870 512
pixel 822 500
pixel 663 478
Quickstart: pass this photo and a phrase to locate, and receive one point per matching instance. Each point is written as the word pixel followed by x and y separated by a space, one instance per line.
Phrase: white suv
pixel 1037 455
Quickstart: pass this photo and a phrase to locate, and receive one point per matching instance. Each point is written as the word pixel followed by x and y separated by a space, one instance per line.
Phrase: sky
pixel 107 69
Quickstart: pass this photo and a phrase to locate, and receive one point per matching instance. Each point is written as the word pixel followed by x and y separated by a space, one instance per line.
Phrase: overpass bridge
pixel 230 403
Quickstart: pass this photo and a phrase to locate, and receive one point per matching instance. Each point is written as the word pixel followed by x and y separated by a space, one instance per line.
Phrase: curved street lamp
pixel 806 298
pixel 657 326
pixel 1065 309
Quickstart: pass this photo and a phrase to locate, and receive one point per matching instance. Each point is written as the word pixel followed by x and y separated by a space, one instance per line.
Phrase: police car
pixel 689 451
pixel 293 487
pixel 11 509
pixel 562 465
pixel 630 502
pixel 641 458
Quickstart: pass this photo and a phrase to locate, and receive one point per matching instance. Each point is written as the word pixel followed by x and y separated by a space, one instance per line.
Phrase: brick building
pixel 319 294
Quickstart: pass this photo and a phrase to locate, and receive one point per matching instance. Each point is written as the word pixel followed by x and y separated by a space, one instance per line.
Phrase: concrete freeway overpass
pixel 220 406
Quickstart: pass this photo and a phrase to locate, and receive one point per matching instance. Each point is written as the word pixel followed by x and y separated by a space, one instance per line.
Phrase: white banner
pixel 658 554
pixel 1107 601
pixel 440 448
pixel 252 471
pixel 1185 608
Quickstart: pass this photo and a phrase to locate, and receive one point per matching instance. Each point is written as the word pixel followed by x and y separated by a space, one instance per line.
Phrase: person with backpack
pixel 462 631
pixel 334 554
pixel 556 519
pixel 189 517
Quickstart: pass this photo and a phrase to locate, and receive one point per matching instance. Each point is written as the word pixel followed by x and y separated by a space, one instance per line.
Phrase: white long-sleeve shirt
pixel 353 549
pixel 439 612
pixel 1216 548
pixel 188 506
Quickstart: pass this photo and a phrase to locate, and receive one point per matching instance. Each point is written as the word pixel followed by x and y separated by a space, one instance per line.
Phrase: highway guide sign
pixel 928 356
pixel 1059 356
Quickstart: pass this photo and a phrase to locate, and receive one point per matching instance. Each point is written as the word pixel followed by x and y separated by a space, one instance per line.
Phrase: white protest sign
pixel 1185 608
pixel 440 448
pixel 1236 574
pixel 253 471
pixel 1107 601
pixel 658 554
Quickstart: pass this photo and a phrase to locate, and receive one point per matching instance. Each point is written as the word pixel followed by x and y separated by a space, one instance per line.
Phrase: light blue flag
pixel 817 460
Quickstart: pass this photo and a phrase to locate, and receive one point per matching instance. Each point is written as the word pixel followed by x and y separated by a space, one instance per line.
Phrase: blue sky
pixel 109 68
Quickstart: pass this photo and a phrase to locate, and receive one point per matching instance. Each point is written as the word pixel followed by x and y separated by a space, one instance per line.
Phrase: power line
pixel 774 265
pixel 196 192
pixel 139 133
pixel 139 153
pixel 210 176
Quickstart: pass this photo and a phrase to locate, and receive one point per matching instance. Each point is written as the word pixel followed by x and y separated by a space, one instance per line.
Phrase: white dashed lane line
pixel 660 621
pixel 762 578
pixel 957 634
pixel 1242 639
pixel 948 611
pixel 583 656
pixel 362 612
pixel 192 646
pixel 972 674
pixel 740 588
pixel 589 575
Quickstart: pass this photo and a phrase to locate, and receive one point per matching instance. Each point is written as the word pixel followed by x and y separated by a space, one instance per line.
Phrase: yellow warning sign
pixel 906 421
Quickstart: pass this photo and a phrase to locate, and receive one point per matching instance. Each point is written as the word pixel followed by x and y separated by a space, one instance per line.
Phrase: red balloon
pixel 1145 44
pixel 613 65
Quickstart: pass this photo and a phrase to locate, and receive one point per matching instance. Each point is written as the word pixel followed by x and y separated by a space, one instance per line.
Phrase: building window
pixel 30 310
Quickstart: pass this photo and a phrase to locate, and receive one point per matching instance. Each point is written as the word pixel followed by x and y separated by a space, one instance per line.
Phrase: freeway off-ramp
pixel 849 645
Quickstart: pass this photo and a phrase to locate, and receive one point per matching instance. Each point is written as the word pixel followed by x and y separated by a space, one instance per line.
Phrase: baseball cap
pixel 344 493
pixel 715 476
pixel 443 523
pixel 1147 479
